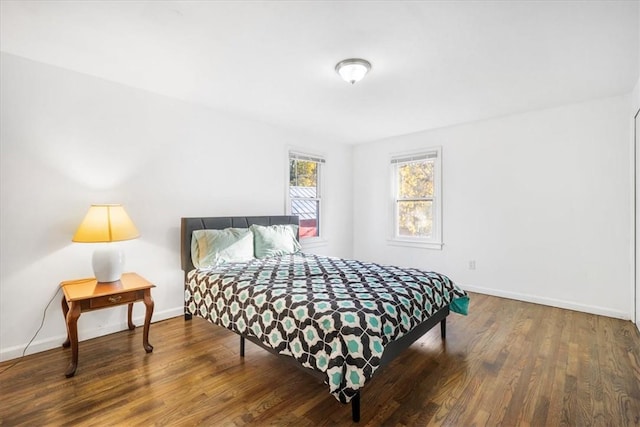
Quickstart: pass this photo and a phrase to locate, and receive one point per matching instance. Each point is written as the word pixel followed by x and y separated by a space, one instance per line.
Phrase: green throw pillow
pixel 275 240
pixel 210 248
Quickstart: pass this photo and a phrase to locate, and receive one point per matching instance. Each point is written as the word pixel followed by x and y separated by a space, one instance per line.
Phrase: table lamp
pixel 106 224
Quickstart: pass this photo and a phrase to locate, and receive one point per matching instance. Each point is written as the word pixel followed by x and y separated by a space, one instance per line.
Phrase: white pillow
pixel 210 248
pixel 275 240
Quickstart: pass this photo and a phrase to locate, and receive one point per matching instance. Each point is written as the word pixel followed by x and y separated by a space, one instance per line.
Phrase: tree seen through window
pixel 305 195
pixel 415 198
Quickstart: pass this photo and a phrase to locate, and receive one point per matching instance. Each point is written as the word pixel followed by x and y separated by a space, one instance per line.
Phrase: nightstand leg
pixel 65 310
pixel 72 333
pixel 148 302
pixel 129 314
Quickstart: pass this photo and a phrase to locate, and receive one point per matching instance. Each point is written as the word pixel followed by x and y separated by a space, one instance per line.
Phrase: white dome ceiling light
pixel 353 69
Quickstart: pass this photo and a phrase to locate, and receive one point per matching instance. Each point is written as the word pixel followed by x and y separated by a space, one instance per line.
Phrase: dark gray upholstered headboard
pixel 188 225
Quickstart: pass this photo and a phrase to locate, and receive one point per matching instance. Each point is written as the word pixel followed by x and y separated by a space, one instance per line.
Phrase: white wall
pixel 69 140
pixel 541 201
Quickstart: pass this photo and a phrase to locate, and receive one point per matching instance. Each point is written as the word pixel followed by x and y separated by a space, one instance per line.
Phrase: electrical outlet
pixel 472 264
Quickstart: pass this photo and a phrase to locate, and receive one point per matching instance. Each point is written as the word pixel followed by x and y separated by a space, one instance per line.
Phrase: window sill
pixel 314 242
pixel 414 243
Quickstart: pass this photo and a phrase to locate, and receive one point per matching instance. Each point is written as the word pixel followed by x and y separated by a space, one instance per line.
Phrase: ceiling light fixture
pixel 353 69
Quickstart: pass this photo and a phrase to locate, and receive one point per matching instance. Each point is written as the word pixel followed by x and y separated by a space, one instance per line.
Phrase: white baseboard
pixel 592 309
pixel 53 342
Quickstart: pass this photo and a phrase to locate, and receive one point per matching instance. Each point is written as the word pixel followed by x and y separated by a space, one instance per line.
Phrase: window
pixel 417 204
pixel 305 192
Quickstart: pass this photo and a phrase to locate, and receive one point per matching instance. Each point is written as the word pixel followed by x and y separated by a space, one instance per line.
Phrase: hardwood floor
pixel 508 363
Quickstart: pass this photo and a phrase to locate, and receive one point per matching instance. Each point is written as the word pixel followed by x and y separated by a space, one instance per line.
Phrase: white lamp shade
pixel 108 264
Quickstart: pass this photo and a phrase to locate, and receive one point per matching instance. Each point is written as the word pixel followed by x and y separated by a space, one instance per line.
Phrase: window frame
pixel 294 154
pixel 397 159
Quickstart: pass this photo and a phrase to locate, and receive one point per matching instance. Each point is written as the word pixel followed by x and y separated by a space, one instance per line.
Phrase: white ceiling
pixel 435 63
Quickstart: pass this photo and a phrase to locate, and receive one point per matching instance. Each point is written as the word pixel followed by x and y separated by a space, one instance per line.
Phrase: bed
pixel 339 320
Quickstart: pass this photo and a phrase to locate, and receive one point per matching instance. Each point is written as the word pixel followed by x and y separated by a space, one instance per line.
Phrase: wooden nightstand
pixel 87 295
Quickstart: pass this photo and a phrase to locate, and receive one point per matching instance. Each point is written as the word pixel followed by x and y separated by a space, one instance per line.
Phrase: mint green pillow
pixel 210 248
pixel 275 240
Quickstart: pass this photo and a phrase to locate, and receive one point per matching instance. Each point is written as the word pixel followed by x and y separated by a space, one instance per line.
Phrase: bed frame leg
pixel 187 316
pixel 355 408
pixel 443 328
pixel 241 346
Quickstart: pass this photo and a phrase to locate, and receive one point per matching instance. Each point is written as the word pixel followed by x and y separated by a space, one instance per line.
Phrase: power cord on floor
pixel 44 314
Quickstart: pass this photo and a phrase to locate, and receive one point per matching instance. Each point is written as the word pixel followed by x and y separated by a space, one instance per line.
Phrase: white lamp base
pixel 108 264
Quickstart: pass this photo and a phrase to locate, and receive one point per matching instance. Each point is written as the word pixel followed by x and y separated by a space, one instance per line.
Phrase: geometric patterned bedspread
pixel 332 315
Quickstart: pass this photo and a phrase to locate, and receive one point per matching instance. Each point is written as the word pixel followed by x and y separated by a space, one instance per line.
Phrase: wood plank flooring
pixel 508 363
